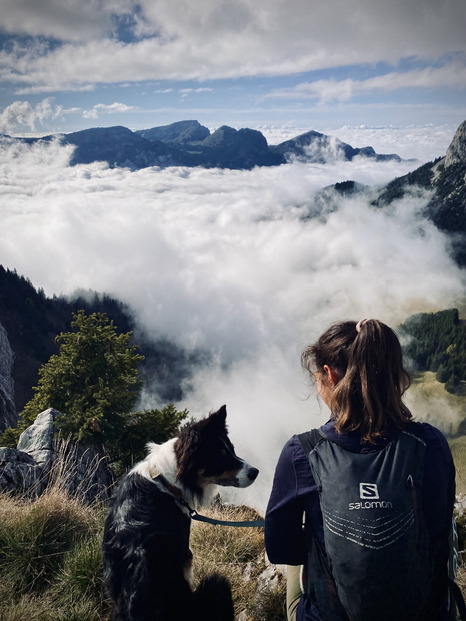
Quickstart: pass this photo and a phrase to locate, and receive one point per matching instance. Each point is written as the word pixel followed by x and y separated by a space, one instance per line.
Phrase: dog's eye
pixel 223 452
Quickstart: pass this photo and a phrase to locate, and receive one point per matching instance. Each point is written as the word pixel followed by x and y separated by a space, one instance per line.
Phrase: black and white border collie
pixel 146 555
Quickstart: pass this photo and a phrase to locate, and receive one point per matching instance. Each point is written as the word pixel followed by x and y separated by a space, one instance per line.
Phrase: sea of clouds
pixel 231 262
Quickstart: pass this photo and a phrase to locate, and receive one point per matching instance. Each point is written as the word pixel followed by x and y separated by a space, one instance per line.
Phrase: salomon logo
pixel 368 490
pixel 376 504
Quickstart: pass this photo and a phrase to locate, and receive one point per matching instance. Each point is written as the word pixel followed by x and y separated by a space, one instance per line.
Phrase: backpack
pixel 377 563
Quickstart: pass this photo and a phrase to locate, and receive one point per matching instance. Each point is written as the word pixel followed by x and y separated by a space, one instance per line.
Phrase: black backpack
pixel 378 560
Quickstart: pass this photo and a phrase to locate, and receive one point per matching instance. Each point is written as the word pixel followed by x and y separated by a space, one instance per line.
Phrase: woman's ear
pixel 331 375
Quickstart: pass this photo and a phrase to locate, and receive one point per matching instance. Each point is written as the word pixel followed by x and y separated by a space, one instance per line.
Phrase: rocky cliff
pixel 8 416
pixel 456 152
pixel 443 182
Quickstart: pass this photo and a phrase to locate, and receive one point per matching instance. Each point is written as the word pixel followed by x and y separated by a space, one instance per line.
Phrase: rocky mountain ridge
pixel 445 180
pixel 188 143
pixel 440 183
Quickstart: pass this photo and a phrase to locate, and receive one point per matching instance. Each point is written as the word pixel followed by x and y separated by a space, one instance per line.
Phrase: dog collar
pixel 172 489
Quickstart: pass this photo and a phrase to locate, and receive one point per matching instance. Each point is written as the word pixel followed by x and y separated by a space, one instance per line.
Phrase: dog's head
pixel 205 455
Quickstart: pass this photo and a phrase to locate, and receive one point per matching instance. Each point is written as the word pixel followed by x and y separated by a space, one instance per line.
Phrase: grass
pixel 238 554
pixel 430 402
pixel 458 450
pixel 51 564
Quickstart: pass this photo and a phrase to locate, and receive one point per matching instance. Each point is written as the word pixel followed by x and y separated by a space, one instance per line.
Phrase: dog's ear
pixel 219 417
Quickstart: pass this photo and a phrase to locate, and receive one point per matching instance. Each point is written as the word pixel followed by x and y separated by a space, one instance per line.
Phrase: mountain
pixel 188 143
pixel 120 146
pixel 237 149
pixel 445 180
pixel 181 133
pixel 319 148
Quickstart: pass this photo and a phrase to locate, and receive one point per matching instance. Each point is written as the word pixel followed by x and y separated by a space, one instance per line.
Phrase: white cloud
pixel 205 40
pixel 187 91
pixel 224 260
pixel 21 114
pixel 113 108
pixel 452 75
pixel 60 19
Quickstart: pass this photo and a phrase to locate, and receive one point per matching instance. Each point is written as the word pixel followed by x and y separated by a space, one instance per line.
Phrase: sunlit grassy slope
pixel 430 402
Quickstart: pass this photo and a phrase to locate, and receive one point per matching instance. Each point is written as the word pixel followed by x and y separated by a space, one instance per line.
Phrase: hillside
pixel 32 321
pixel 437 342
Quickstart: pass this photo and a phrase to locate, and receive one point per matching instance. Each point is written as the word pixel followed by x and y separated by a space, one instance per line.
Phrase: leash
pixel 194 515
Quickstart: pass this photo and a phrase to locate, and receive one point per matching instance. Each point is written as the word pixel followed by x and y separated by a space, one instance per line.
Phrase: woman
pixel 359 373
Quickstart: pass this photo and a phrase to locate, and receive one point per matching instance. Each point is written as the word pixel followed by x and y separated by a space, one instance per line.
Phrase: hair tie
pixel 360 324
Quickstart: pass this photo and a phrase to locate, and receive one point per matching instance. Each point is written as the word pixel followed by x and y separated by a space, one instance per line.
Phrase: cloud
pixel 187 91
pixel 452 75
pixel 227 261
pixel 113 108
pixel 21 114
pixel 91 41
pixel 71 20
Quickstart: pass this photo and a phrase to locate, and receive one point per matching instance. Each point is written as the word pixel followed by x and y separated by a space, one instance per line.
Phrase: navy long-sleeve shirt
pixel 294 493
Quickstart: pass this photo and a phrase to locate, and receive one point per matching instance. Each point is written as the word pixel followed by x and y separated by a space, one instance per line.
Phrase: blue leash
pixel 202 518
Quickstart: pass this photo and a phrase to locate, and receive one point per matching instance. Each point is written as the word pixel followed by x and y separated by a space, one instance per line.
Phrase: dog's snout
pixel 252 473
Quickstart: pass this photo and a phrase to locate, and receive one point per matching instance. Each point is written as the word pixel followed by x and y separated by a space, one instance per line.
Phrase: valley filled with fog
pixel 246 265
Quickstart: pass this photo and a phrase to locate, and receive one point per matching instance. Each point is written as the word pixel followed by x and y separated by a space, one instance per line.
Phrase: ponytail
pixel 368 361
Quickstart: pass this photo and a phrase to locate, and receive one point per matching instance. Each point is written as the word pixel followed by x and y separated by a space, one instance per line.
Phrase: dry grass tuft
pixel 50 561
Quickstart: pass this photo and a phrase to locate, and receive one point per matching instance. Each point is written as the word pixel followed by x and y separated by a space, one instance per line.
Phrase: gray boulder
pixel 18 472
pixel 41 459
pixel 37 440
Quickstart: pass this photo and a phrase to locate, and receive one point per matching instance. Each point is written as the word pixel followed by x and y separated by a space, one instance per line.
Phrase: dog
pixel 147 561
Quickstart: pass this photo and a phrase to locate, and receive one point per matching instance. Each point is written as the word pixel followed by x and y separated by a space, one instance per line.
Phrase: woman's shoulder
pixel 293 447
pixel 435 440
pixel 426 431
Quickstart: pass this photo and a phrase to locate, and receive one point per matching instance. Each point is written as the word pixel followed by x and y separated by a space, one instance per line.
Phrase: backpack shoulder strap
pixel 416 430
pixel 310 439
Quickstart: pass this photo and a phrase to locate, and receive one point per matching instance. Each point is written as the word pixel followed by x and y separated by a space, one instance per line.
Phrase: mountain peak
pixel 180 133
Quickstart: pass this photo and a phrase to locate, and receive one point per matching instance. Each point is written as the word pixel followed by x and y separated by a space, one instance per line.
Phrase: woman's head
pixel 360 375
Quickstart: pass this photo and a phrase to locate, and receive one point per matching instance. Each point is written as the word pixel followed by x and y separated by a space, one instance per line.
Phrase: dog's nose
pixel 252 473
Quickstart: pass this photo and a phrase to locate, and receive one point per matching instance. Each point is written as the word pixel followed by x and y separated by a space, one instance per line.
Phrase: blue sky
pixel 67 65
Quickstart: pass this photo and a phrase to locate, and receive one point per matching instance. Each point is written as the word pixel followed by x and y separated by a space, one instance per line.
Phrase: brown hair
pixel 371 377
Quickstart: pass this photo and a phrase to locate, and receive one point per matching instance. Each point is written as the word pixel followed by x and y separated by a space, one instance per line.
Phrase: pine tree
pixel 93 381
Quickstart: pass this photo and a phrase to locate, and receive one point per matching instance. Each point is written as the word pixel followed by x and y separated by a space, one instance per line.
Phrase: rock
pixel 271 577
pixel 37 440
pixel 40 460
pixel 84 472
pixel 18 472
pixel 456 152
pixel 8 415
